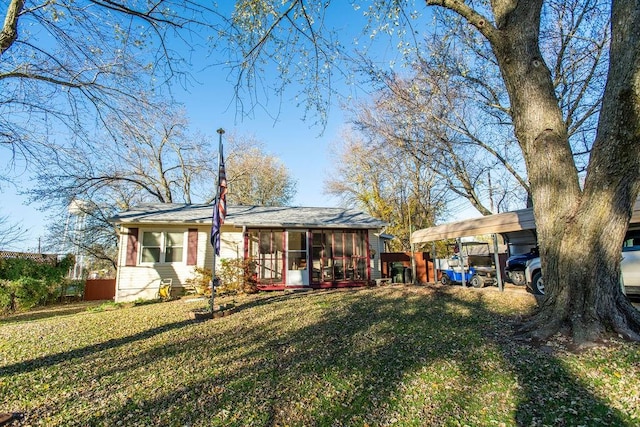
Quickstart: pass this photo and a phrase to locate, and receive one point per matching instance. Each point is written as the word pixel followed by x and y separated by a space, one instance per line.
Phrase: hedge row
pixel 26 283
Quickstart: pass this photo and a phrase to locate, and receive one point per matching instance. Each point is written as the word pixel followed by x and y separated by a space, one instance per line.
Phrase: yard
pixel 395 355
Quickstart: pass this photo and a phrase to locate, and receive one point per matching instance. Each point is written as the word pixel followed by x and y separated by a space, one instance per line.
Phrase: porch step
pixel 294 290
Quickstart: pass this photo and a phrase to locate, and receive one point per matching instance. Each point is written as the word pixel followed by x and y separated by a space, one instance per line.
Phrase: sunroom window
pixel 339 255
pixel 162 247
pixel 266 250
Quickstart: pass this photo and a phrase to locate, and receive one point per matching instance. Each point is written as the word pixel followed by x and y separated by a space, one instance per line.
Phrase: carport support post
pixel 496 260
pixel 435 263
pixel 461 255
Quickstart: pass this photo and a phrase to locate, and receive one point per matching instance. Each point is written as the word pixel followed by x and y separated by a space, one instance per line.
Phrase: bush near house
pixel 26 283
pixel 201 280
pixel 235 275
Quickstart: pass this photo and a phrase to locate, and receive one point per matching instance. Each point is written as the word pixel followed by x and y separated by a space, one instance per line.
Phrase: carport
pixel 518 228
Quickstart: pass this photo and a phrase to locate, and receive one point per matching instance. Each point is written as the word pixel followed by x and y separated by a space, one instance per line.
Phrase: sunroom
pixel 309 257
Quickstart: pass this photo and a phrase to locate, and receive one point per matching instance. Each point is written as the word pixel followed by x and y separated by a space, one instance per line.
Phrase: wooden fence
pixel 99 289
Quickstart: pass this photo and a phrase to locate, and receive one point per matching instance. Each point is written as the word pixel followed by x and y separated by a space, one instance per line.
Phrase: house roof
pixel 506 222
pixel 249 216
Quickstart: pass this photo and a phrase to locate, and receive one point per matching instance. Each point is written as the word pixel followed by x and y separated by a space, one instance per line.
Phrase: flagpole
pixel 215 206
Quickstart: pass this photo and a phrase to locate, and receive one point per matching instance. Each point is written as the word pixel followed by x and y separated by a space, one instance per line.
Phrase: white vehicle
pixel 630 268
pixel 533 276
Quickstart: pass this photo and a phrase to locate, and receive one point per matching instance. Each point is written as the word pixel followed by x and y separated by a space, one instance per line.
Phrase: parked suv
pixel 629 266
pixel 533 276
pixel 516 264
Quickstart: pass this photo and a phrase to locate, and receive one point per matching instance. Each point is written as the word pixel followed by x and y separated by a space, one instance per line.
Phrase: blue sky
pixel 300 148
pixel 297 143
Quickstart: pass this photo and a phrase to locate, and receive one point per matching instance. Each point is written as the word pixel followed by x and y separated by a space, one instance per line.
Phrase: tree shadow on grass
pixel 398 356
pixel 288 296
pixel 48 312
pixel 65 356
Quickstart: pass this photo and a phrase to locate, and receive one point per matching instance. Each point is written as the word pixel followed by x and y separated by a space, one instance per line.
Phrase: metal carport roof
pixel 505 222
pixel 498 223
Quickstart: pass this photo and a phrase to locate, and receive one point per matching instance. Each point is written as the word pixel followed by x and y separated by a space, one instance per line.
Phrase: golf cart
pixel 470 263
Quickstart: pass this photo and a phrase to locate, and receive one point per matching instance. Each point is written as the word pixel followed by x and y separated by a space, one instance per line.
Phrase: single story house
pixel 291 247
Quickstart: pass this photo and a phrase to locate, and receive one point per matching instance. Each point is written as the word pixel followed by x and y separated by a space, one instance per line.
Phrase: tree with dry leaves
pixel 255 177
pixel 378 178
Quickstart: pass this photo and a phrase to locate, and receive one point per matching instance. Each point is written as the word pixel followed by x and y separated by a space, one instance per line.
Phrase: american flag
pixel 220 206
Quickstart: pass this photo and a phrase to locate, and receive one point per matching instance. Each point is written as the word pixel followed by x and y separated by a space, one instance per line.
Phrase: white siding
pixel 231 247
pixel 143 281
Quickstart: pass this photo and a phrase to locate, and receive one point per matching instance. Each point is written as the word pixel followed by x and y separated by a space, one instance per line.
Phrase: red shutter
pixel 192 247
pixel 132 247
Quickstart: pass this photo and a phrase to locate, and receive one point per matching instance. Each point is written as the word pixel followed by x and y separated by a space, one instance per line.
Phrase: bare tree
pixel 417 118
pixel 72 66
pixel 454 103
pixel 158 161
pixel 10 233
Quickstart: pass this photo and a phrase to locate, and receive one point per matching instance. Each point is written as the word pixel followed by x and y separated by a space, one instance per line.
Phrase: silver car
pixel 630 268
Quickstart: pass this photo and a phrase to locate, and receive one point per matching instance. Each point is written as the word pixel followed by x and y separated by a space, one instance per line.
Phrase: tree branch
pixel 9 32
pixel 473 17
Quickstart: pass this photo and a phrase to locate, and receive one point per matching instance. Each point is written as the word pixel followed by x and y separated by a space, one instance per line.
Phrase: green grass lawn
pixel 396 355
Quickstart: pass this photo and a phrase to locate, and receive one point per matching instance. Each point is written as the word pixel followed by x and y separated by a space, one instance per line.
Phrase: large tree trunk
pixel 580 230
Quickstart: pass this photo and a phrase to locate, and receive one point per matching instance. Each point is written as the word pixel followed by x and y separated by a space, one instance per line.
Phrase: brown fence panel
pixel 99 289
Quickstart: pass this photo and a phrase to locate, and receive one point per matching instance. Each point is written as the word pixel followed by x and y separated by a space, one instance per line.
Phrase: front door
pixel 297 266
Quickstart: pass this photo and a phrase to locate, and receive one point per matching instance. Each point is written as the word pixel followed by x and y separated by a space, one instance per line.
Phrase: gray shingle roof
pixel 250 216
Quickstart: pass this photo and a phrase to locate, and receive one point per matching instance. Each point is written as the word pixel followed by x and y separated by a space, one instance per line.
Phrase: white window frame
pixel 163 247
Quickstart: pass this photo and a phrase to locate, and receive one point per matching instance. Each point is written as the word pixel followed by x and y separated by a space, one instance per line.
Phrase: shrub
pixel 25 283
pixel 31 292
pixel 236 276
pixel 25 293
pixel 15 268
pixel 201 280
pixel 7 296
